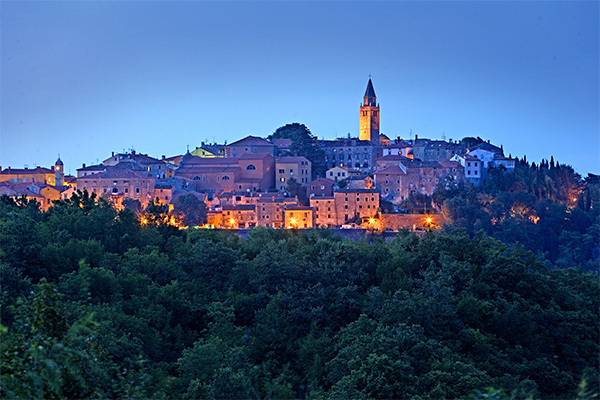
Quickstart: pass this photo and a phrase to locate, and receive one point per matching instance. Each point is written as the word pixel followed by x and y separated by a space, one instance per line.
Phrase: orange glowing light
pixel 144 221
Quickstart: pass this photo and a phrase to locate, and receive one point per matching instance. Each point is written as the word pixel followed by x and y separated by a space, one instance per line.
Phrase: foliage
pixel 193 210
pixel 303 144
pixel 122 310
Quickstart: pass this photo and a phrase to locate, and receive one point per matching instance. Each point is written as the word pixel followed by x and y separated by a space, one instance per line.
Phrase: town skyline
pixel 77 82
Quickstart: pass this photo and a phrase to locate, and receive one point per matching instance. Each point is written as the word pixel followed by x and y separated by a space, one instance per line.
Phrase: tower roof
pixel 370 92
pixel 59 162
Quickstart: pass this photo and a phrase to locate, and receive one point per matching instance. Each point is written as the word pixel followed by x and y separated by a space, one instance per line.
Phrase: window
pixel 282 179
pixel 126 190
pixel 281 171
pixel 225 178
pixel 137 190
pixel 251 167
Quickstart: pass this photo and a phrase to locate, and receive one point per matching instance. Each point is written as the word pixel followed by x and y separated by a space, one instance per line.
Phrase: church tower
pixel 369 115
pixel 59 173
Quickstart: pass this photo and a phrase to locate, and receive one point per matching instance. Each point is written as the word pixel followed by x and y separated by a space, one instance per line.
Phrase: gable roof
pixel 251 141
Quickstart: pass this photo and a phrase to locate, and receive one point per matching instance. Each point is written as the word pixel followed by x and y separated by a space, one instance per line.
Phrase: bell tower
pixel 369 115
pixel 59 173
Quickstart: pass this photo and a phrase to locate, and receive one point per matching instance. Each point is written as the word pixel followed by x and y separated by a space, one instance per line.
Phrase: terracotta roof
pixel 295 159
pixel 23 171
pixel 254 156
pixel 247 207
pixel 356 191
pixel 393 170
pixel 393 157
pixel 251 141
pixel 487 147
pixel 322 198
pixel 324 180
pixel 345 142
pixel 99 167
pixel 299 208
pixel 112 173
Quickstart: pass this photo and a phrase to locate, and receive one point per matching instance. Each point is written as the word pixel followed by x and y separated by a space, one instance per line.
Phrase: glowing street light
pixel 231 222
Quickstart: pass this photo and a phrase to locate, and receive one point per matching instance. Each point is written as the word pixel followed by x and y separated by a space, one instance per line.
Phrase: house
pixel 339 173
pixel 141 162
pixel 397 182
pixel 297 168
pixel 473 167
pixel 320 187
pixel 27 175
pixel 359 182
pixel 283 146
pixel 119 184
pixel 351 203
pixel 239 216
pixel 298 217
pixel 325 211
pixel 270 210
pixel 250 145
pixel 248 172
pixel 506 162
pixel 350 152
pixel 209 150
pixel 390 160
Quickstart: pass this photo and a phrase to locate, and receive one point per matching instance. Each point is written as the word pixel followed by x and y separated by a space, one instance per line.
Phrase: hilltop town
pixel 290 179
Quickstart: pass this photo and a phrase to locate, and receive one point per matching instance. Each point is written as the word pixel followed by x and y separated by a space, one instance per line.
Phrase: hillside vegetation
pixel 94 305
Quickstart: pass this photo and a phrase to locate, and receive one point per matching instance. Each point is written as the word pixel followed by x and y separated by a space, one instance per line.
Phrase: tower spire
pixel 369 115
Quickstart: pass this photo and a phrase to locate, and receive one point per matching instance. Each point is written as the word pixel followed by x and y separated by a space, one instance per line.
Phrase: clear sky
pixel 84 78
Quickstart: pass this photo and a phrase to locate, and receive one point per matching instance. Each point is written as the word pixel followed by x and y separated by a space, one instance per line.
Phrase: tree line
pixel 97 305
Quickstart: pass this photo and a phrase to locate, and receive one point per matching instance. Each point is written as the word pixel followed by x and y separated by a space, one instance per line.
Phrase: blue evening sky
pixel 84 78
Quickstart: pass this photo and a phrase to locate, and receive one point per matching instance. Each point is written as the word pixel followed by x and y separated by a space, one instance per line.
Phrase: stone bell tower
pixel 59 173
pixel 369 115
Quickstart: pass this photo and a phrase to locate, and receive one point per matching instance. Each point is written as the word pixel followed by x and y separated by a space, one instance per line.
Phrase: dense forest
pixel 97 305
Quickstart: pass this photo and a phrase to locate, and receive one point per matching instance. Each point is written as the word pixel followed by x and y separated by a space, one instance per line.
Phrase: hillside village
pixel 273 182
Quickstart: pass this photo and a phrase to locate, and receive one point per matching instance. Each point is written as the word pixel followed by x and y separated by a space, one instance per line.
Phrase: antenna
pixel 444 136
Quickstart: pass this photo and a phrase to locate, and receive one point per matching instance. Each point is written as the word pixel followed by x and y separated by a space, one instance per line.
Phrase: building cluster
pixel 256 182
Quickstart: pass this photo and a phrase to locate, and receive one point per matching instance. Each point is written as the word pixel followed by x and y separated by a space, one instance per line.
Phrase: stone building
pixel 297 168
pixel 351 203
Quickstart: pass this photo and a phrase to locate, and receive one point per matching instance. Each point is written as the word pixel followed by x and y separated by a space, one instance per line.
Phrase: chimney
pixel 133 152
pixel 38 168
pixel 113 154
pixel 163 157
pixel 83 165
pixel 488 140
pixel 416 136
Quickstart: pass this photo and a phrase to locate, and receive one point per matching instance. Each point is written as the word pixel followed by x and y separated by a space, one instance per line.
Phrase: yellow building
pixel 209 151
pixel 298 217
